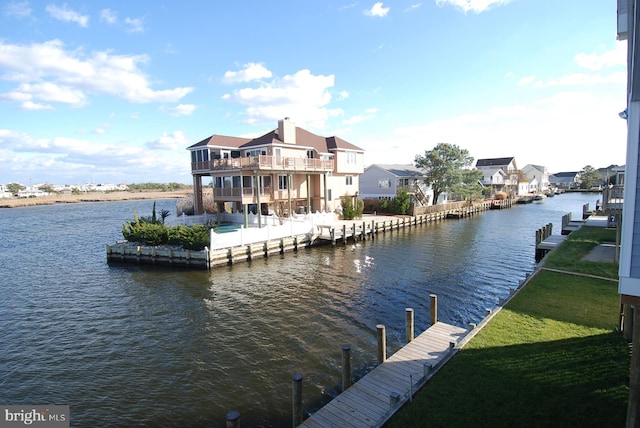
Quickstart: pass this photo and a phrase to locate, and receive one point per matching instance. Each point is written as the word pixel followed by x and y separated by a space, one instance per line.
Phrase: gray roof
pixel 401 170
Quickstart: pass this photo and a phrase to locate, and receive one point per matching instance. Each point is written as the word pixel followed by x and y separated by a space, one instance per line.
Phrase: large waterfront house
pixel 537 176
pixel 565 180
pixel 384 181
pixel 499 174
pixel 287 170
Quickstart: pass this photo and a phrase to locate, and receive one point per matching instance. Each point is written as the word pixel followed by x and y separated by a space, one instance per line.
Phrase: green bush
pixel 401 203
pixel 145 233
pixel 351 210
pixel 190 238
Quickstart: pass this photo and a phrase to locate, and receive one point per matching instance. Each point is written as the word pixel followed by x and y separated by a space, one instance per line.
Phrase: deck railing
pixel 265 163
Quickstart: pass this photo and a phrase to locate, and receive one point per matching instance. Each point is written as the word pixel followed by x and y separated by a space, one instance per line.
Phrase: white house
pixel 538 173
pixel 500 174
pixel 380 181
pixel 565 180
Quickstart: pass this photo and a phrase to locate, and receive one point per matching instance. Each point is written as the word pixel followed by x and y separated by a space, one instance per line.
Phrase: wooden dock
pixel 372 400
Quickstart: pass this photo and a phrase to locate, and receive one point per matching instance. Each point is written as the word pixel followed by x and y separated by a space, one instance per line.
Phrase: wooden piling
pixel 346 367
pixel 233 419
pixel 382 343
pixel 409 323
pixel 434 308
pixel 297 399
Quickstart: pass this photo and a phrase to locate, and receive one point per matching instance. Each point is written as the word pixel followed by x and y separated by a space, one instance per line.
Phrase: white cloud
pixel 108 16
pixel 30 105
pixel 544 132
pixel 368 115
pixel 18 9
pixel 476 6
pixel 527 80
pixel 413 7
pixel 182 110
pixel 377 10
pixel 594 61
pixel 174 141
pixel 67 15
pixel 251 71
pixel 63 159
pixel 302 96
pixel 48 72
pixel 135 25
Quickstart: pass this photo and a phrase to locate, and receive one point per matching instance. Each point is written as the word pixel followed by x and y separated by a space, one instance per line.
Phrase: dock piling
pixel 346 367
pixel 233 419
pixel 382 343
pixel 434 308
pixel 297 399
pixel 409 323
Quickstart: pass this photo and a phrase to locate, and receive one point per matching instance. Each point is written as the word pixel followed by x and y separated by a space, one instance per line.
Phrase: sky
pixel 114 92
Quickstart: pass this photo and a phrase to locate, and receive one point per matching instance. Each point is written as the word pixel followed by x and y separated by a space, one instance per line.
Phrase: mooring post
pixel 344 233
pixel 346 367
pixel 408 320
pixel 382 343
pixel 297 399
pixel 233 419
pixel 434 308
pixel 364 230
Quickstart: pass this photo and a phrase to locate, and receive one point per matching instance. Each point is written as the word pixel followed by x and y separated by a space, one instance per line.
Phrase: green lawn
pixel 550 358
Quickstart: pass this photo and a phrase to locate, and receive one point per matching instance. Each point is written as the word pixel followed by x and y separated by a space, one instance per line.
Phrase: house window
pixel 351 158
pixel 310 154
pixel 282 182
pixel 403 181
pixel 384 183
pixel 349 180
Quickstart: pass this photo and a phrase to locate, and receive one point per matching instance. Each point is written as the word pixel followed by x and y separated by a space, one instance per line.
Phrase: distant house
pixel 286 170
pixel 4 193
pixel 565 180
pixel 538 173
pixel 500 174
pixel 380 181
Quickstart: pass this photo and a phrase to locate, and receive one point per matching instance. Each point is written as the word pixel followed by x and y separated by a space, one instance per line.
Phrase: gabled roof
pixel 565 174
pixel 494 161
pixel 400 170
pixel 304 138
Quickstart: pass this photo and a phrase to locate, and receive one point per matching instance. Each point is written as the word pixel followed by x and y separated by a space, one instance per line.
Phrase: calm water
pixel 131 346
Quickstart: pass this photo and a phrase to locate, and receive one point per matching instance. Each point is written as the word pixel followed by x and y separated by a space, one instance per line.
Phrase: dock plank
pixel 367 402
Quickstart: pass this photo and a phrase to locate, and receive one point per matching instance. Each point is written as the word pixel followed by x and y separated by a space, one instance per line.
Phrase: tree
pixel 14 188
pixel 443 166
pixel 469 187
pixel 589 177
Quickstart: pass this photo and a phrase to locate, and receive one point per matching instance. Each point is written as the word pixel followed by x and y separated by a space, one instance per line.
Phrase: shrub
pixel 145 233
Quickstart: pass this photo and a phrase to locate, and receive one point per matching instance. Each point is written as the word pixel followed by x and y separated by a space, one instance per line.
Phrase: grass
pixel 550 358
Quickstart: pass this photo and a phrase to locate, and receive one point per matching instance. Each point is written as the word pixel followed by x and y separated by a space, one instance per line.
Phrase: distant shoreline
pixel 90 197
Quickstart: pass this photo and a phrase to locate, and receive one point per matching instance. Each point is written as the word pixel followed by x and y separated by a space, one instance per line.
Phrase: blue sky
pixel 111 92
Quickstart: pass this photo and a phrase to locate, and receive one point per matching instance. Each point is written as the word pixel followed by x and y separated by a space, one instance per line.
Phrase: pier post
pixel 333 236
pixel 364 230
pixel 297 399
pixel 409 323
pixel 434 308
pixel 353 233
pixel 346 367
pixel 344 233
pixel 233 419
pixel 382 343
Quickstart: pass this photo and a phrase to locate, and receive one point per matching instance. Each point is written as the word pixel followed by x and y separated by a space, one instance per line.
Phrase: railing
pixel 264 162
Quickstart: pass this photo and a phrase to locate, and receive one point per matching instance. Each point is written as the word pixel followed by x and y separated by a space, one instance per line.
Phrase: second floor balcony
pixel 264 163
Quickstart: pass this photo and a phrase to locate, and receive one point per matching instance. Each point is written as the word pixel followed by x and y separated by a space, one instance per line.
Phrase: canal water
pixel 128 346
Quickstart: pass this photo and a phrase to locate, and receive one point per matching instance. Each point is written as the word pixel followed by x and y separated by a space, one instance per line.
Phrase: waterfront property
pixel 285 171
pixel 500 174
pixel 240 244
pixel 384 181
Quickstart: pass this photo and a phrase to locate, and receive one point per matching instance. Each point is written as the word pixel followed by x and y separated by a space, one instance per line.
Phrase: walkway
pixel 377 396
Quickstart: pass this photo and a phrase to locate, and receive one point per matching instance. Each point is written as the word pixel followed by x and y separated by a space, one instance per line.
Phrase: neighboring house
pixel 527 187
pixel 283 171
pixel 385 181
pixel 538 173
pixel 500 174
pixel 4 193
pixel 565 180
